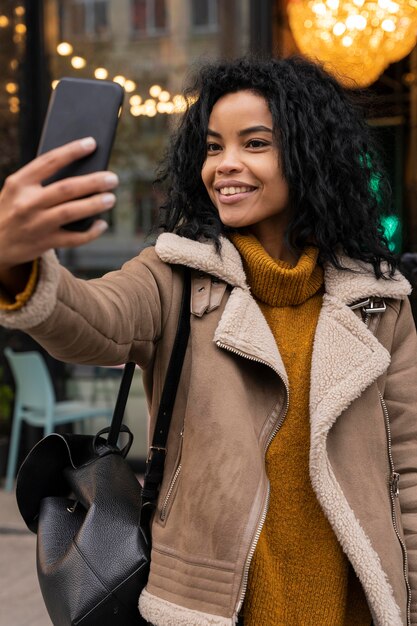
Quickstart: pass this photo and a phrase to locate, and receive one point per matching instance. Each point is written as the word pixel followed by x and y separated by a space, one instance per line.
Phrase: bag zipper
pixel 394 493
pixel 262 519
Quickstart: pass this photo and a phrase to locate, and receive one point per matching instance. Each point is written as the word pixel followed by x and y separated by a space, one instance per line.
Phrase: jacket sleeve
pixel 401 399
pixel 105 321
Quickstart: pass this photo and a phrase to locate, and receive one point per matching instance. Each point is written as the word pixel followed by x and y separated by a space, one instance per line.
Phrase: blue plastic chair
pixel 35 404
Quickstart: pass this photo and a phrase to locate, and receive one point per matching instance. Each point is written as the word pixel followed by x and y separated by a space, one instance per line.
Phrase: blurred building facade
pixel 150 45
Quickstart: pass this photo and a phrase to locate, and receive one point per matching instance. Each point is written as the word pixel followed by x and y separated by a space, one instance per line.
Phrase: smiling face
pixel 242 173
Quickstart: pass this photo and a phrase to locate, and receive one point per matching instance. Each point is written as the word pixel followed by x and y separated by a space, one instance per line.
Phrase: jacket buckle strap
pixel 370 305
pixel 376 305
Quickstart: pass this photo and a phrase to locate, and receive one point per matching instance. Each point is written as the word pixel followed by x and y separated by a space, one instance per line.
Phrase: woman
pixel 289 493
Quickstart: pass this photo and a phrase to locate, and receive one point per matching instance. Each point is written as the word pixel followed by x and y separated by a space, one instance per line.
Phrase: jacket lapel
pixel 242 327
pixel 347 357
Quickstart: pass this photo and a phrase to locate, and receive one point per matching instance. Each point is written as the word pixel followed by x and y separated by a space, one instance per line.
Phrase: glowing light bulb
pixel 164 96
pixel 319 8
pixel 120 80
pixel 11 88
pixel 101 73
pixel 130 86
pixel 4 21
pixel 388 25
pixel 78 63
pixel 135 100
pixel 64 49
pixel 155 90
pixel 339 28
pixel 347 41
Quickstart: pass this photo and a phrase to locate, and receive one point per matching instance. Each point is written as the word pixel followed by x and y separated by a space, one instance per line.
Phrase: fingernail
pixel 101 226
pixel 88 143
pixel 111 180
pixel 108 199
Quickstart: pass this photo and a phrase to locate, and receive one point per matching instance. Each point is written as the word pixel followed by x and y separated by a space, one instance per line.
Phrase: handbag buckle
pixel 153 449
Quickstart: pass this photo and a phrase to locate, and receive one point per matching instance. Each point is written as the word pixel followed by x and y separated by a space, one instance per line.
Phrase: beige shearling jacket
pixel 231 402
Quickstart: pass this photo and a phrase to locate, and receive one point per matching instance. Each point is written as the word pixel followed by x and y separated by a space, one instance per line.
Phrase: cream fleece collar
pixel 347 287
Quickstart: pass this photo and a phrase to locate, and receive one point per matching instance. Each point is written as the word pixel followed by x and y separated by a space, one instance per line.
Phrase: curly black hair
pixel 337 186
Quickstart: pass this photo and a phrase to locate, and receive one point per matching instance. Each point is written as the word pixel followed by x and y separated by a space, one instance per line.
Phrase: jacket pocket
pixel 170 492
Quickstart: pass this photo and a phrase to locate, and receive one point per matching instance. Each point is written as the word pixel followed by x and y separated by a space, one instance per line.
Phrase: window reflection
pixel 204 15
pixel 88 17
pixel 148 17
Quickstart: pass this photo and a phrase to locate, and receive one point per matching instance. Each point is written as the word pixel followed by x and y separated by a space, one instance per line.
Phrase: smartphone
pixel 80 108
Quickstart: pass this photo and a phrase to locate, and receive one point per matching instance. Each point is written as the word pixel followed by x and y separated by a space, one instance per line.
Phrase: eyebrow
pixel 245 131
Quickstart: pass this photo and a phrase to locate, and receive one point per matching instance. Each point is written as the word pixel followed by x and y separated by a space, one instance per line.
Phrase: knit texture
pixel 299 575
pixel 9 303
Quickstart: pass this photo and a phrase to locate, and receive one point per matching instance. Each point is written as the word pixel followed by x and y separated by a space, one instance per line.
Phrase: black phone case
pixel 82 108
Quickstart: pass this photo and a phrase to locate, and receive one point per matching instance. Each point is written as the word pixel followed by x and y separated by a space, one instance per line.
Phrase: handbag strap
pixel 157 451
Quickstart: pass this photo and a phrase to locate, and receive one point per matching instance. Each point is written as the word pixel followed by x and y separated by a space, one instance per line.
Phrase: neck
pixel 273 242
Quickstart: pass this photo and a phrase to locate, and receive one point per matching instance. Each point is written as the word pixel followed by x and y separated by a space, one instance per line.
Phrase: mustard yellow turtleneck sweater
pixel 299 575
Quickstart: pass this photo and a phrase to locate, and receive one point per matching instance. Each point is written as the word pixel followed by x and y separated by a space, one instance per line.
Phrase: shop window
pixel 149 17
pixel 89 18
pixel 204 15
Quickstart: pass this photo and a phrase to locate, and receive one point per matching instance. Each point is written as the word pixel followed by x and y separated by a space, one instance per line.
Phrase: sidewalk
pixel 21 602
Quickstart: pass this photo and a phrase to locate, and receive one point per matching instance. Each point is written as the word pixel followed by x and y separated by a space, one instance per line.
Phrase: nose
pixel 229 162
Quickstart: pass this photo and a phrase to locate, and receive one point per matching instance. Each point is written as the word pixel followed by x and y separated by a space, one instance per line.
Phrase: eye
pixel 257 143
pixel 213 147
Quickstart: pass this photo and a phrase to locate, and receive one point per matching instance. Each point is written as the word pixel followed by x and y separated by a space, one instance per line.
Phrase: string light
pixel 64 49
pixel 164 96
pixel 135 100
pixel 4 21
pixel 130 86
pixel 155 90
pixel 355 39
pixel 78 63
pixel 11 88
pixel 101 73
pixel 150 107
pixel 120 80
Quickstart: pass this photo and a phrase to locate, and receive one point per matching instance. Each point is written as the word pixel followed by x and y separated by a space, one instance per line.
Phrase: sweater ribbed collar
pixel 276 282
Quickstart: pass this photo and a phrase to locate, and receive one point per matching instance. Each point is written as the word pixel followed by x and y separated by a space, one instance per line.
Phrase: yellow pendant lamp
pixel 354 39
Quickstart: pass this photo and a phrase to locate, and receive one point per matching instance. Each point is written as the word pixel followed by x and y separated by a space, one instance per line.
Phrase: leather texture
pixel 84 502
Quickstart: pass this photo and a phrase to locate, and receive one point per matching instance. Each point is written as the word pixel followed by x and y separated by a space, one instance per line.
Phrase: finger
pixel 70 239
pixel 52 161
pixel 75 187
pixel 77 209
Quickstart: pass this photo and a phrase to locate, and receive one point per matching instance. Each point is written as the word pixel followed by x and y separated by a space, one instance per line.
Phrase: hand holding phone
pixel 81 108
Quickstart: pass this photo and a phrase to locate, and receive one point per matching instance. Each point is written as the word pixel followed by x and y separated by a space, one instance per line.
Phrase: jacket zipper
pixel 167 498
pixel 266 505
pixel 394 493
pixel 169 492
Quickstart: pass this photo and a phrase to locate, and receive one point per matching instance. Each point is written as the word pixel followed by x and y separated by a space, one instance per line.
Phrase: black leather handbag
pixel 91 516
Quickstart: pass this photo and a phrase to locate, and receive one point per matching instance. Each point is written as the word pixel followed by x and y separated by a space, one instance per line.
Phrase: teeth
pixel 230 191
